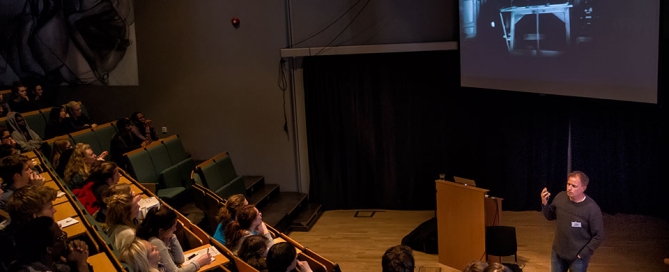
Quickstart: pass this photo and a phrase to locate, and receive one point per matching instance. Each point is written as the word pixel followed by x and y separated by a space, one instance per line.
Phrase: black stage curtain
pixel 381 127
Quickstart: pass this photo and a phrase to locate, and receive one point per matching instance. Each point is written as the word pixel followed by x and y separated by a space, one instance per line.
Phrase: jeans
pixel 561 265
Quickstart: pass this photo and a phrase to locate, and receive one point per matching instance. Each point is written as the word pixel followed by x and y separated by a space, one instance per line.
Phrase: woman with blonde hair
pixel 141 256
pixel 59 146
pixel 116 189
pixel 78 167
pixel 249 221
pixel 121 218
pixel 227 213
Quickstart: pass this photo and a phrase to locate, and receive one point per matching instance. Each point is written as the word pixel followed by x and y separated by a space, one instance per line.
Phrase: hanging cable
pixel 346 27
pixel 283 85
pixel 328 26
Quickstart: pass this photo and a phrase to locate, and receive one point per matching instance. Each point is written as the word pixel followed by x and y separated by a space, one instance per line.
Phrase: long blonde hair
pixel 77 163
pixel 119 211
pixel 135 255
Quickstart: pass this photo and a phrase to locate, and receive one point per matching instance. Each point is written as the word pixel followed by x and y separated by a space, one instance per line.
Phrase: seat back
pixel 501 240
pixel 170 177
pixel 161 160
pixel 141 166
pixel 175 149
pixel 105 133
pixel 185 168
pixel 211 175
pixel 227 168
pixel 36 121
pixel 89 137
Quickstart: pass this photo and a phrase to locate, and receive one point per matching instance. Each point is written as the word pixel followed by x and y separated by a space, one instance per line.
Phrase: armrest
pixel 152 187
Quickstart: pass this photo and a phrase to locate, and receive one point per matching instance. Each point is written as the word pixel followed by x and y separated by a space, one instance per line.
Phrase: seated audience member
pixel 249 220
pixel 78 167
pixel 8 150
pixel 16 172
pixel 41 244
pixel 37 96
pixel 122 211
pixel 20 101
pixel 26 203
pixel 496 267
pixel 77 120
pixel 59 147
pixel 124 141
pixel 63 160
pixel 228 213
pixel 142 127
pixel 140 255
pixel 27 139
pixel 8 139
pixel 4 107
pixel 56 125
pixel 398 259
pixel 158 228
pixel 103 175
pixel 475 266
pixel 254 251
pixel 116 189
pixel 282 257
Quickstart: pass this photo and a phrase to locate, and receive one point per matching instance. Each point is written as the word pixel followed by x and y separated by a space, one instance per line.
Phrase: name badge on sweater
pixel 575 224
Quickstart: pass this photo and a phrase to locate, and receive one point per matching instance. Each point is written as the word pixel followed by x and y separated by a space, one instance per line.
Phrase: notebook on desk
pixel 464 181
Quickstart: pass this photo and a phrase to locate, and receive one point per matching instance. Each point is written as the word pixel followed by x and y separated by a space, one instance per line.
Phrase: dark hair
pixel 157 218
pixel 100 171
pixel 54 114
pixel 280 257
pixel 2 130
pixel 398 258
pixel 6 150
pixel 12 165
pixel 16 86
pixel 34 237
pixel 253 251
pixel 63 160
pixel 235 230
pixel 121 123
pixel 133 117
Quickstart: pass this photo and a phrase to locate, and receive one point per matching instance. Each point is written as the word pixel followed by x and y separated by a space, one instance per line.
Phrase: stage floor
pixel 632 243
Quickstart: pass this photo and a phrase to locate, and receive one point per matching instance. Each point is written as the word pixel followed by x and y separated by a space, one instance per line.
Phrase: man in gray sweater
pixel 580 229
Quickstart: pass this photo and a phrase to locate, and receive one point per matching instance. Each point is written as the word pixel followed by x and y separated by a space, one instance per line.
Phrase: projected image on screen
pixel 589 48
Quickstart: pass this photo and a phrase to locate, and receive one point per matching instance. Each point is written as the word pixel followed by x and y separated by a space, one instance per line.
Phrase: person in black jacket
pixel 124 141
pixel 55 126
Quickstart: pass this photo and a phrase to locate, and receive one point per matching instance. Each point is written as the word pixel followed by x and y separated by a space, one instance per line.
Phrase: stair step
pixel 307 218
pixel 285 205
pixel 253 183
pixel 264 194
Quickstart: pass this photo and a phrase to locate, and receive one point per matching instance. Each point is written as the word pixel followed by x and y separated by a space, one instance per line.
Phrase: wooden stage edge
pixel 632 242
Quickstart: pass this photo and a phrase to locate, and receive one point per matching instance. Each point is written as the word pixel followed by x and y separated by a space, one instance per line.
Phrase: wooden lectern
pixel 463 212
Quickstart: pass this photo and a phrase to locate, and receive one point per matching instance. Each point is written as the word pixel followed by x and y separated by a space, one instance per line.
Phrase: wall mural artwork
pixel 60 42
